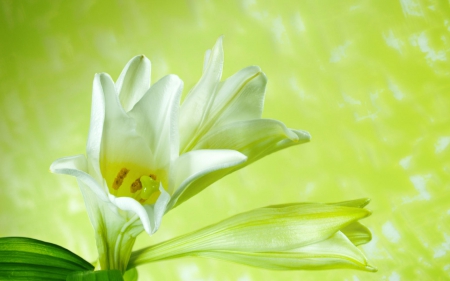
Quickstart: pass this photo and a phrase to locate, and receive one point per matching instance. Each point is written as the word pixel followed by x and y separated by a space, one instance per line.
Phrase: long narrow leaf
pixel 101 275
pixel 30 259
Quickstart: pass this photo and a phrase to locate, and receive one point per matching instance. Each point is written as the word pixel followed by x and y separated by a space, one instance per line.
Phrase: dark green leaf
pixel 101 275
pixel 15 271
pixel 29 259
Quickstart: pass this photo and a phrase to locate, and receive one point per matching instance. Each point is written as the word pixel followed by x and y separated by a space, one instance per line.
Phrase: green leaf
pixel 14 271
pixel 131 275
pixel 30 259
pixel 100 275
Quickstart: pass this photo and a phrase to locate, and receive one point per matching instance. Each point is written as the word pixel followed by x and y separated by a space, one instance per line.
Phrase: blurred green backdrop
pixel 368 79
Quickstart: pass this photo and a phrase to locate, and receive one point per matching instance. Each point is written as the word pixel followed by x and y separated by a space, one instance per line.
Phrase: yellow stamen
pixel 135 186
pixel 119 178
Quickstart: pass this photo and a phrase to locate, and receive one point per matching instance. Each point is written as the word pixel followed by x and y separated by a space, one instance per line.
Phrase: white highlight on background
pixel 443 248
pixel 411 8
pixel 389 231
pixel 338 53
pixel 406 162
pixel 394 276
pixel 398 95
pixel 419 183
pixel 393 42
pixel 441 144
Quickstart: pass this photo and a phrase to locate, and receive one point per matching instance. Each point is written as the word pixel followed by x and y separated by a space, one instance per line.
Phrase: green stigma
pixel 149 186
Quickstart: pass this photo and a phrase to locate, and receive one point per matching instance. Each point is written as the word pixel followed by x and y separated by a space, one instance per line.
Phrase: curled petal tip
pixel 304 136
pixel 130 204
pixel 358 213
pixel 371 268
pixel 365 202
pixel 299 136
pixel 307 135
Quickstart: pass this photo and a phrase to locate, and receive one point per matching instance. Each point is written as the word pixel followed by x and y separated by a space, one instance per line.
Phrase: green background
pixel 368 79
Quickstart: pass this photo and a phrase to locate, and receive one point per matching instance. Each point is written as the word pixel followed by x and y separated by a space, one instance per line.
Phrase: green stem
pixel 123 231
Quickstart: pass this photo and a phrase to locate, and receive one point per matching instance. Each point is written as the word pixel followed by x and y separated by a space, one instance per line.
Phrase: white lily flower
pixel 139 161
pixel 133 164
pixel 299 236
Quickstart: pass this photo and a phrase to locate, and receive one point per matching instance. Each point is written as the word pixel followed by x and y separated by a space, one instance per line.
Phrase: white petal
pixel 254 138
pixel 240 97
pixel 156 115
pixel 121 144
pixel 206 60
pixel 134 81
pixel 157 210
pixel 160 207
pixel 195 164
pixel 96 129
pixel 77 166
pixel 200 98
pixel 130 204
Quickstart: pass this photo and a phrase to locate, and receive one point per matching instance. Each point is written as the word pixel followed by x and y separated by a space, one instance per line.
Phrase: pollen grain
pixel 136 185
pixel 119 178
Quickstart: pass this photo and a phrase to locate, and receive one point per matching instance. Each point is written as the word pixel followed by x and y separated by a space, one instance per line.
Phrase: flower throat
pixel 141 189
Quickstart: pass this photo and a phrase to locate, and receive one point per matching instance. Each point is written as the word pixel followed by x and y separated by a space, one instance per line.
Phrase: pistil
pixel 149 186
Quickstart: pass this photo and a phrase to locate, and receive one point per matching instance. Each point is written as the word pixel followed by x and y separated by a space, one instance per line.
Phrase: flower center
pixel 144 187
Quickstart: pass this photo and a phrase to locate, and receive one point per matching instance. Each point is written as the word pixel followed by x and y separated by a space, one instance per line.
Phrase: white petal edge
pixel 95 134
pixel 201 97
pixel 242 134
pixel 194 164
pixel 130 204
pixel 77 166
pixel 157 211
pixel 205 62
pixel 134 81
pixel 149 215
